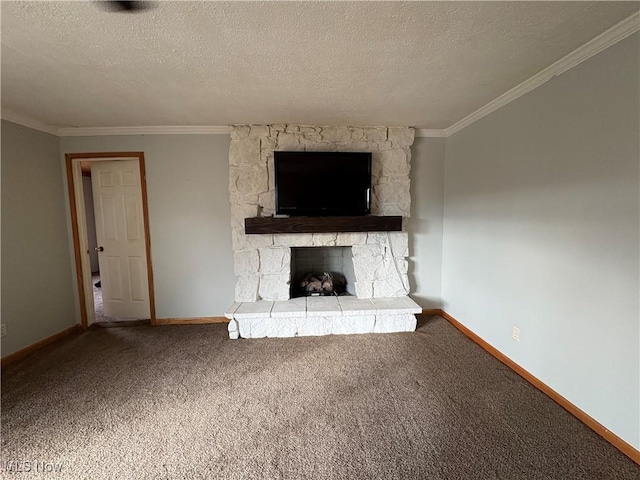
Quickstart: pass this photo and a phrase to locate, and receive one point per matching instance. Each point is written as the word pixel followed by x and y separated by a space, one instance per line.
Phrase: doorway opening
pixel 110 225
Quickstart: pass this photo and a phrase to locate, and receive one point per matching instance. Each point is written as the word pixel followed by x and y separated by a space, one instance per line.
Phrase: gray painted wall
pixel 425 224
pixel 37 287
pixel 187 180
pixel 189 217
pixel 541 230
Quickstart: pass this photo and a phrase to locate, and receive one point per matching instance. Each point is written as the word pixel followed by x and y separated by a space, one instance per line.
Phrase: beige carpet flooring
pixel 178 402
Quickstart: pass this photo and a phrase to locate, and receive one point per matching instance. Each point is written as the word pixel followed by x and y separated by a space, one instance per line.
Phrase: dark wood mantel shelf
pixel 368 223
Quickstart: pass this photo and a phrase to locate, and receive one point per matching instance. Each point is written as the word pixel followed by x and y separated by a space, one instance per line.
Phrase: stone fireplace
pixel 263 262
pixel 374 263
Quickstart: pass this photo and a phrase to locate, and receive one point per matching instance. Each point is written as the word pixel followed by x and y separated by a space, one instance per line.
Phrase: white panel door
pixel 117 198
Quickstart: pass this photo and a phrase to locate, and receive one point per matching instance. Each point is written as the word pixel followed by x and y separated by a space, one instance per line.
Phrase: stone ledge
pixel 322 306
pixel 321 316
pixel 261 327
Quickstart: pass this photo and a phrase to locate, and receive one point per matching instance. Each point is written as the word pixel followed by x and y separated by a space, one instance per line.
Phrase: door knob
pixel 99 249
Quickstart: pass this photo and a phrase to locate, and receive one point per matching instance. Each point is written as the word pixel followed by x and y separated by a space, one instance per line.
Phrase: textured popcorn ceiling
pixel 423 64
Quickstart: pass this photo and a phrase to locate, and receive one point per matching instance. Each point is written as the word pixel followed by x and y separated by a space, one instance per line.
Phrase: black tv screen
pixel 322 183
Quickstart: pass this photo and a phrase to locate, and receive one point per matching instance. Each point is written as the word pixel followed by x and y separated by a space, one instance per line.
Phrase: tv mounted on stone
pixel 322 183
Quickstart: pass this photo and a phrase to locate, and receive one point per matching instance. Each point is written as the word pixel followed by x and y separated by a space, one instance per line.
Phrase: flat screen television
pixel 322 183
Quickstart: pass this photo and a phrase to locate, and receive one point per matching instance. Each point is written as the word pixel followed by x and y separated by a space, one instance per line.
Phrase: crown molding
pixel 618 32
pixel 426 132
pixel 609 37
pixel 159 130
pixel 26 121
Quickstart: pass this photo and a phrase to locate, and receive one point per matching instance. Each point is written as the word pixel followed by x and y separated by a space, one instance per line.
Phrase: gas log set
pixel 320 284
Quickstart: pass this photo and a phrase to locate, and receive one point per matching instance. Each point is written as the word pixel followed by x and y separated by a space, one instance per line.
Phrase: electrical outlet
pixel 515 333
pixel 3 330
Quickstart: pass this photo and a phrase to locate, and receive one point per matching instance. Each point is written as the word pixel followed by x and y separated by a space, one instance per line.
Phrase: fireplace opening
pixel 320 271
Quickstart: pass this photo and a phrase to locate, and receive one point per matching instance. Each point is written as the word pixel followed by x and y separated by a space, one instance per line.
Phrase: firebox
pixel 321 271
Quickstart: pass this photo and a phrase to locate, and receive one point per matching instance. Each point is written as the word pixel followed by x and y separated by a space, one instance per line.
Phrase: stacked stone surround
pixel 263 262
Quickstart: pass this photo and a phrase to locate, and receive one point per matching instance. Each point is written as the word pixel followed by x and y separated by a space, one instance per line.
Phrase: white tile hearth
pixel 323 307
pixel 391 305
pixel 356 306
pixel 253 310
pixel 232 309
pixel 410 303
pixel 288 308
pixel 321 316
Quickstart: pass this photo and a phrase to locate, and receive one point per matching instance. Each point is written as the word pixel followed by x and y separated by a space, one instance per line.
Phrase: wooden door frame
pixel 72 161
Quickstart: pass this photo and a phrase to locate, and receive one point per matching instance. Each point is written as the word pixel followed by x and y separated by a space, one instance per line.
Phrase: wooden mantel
pixel 367 223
